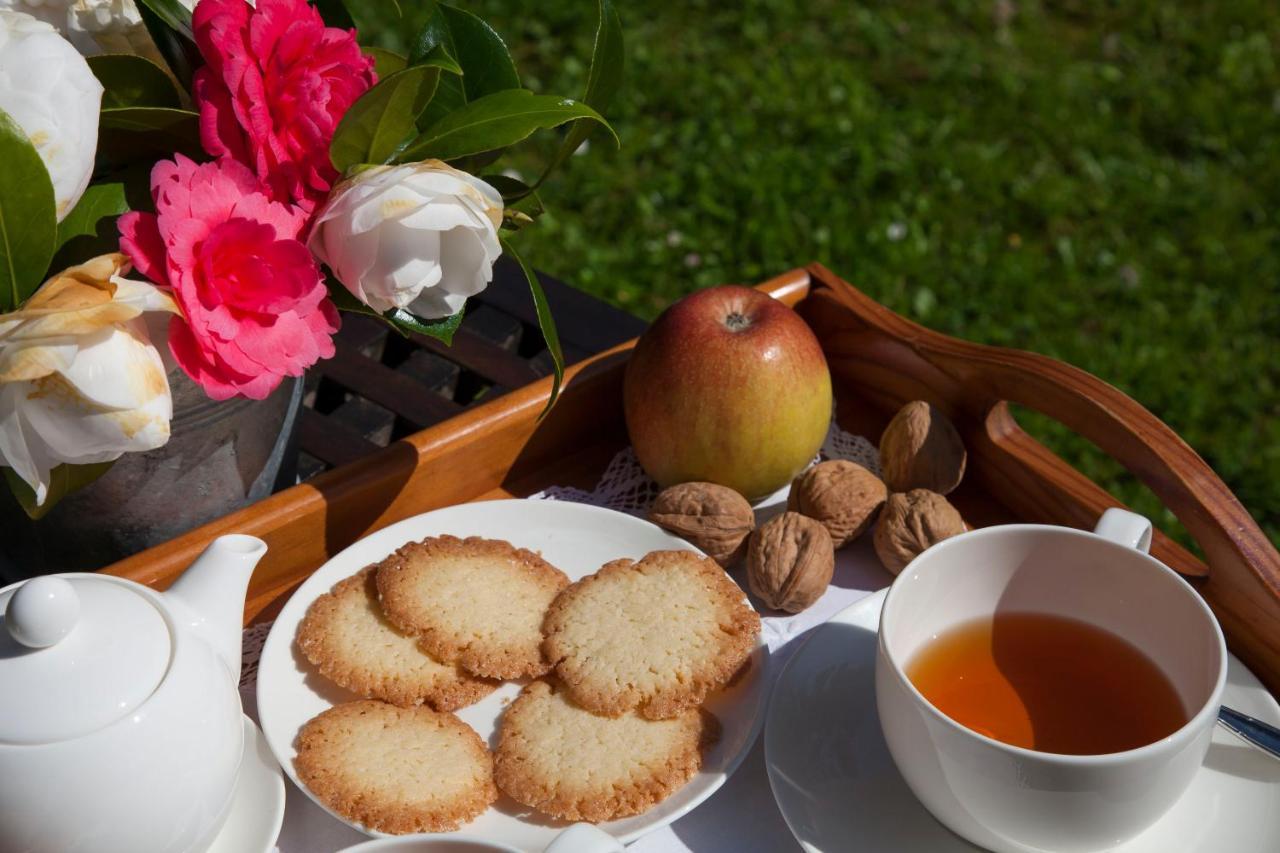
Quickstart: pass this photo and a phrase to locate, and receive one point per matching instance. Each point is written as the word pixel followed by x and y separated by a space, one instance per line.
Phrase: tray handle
pixel 977 381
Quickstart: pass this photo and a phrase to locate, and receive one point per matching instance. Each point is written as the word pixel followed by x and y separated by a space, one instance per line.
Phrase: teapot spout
pixel 211 594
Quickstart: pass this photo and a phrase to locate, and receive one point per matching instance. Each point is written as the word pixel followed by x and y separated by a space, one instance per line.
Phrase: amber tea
pixel 1047 683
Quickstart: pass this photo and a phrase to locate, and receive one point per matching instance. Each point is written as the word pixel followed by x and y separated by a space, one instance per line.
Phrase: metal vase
pixel 221 456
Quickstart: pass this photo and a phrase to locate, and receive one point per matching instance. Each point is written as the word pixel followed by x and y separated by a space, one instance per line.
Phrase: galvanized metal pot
pixel 221 456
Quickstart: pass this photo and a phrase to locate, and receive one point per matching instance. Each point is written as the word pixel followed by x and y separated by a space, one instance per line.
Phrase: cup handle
pixel 1125 528
pixel 584 838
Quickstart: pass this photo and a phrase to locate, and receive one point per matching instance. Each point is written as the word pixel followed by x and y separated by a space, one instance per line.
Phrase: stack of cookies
pixel 612 723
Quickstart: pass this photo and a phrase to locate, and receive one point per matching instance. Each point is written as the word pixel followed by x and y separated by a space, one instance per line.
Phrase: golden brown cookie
pixel 476 602
pixel 347 637
pixel 564 761
pixel 396 770
pixel 657 635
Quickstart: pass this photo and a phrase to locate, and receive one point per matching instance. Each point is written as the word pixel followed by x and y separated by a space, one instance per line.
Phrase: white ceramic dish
pixel 839 790
pixel 257 806
pixel 574 537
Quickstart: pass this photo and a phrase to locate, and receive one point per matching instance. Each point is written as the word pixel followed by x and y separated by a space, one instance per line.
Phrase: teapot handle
pixel 584 838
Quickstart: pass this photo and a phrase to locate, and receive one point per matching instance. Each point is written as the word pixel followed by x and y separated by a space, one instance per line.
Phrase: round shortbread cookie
pixel 566 762
pixel 396 770
pixel 476 602
pixel 657 635
pixel 347 637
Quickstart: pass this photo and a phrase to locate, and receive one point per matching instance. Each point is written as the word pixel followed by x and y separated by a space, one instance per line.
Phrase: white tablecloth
pixel 739 818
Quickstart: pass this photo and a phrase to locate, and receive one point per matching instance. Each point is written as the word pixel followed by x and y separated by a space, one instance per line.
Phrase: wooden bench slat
pixel 398 392
pixel 329 441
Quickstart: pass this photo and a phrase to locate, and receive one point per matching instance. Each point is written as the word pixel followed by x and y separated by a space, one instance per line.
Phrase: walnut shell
pixel 920 449
pixel 713 518
pixel 842 495
pixel 790 561
pixel 912 522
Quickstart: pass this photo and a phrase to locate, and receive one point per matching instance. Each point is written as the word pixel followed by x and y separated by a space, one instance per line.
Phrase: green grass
pixel 1099 182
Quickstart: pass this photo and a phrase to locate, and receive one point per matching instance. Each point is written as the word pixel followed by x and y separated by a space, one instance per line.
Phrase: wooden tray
pixel 878 361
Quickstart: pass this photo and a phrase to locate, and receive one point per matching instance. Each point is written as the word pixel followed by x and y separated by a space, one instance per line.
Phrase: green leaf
pixel 169 25
pixel 400 320
pixel 98 201
pixel 511 189
pixel 523 205
pixel 433 39
pixel 441 329
pixel 546 323
pixel 149 119
pixel 63 480
pixel 28 216
pixel 382 118
pixel 173 14
pixel 385 62
pixel 496 121
pixel 335 14
pixel 482 57
pixel 132 81
pixel 603 81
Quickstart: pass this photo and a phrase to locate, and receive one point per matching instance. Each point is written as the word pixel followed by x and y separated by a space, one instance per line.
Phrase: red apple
pixel 728 386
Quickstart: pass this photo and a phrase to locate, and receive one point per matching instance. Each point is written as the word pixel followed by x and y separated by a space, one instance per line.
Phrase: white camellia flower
pixel 80 381
pixel 48 89
pixel 422 236
pixel 94 26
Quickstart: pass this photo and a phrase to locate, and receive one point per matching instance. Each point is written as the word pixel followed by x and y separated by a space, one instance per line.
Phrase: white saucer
pixel 257 807
pixel 838 789
pixel 576 538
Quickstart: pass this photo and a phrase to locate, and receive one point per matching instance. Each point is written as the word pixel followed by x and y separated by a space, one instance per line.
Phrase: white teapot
pixel 119 710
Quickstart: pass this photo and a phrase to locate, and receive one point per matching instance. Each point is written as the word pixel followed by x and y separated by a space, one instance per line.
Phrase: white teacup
pixel 1014 800
pixel 579 838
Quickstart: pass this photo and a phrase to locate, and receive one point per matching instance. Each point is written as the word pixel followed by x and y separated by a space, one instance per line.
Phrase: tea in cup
pixel 1045 688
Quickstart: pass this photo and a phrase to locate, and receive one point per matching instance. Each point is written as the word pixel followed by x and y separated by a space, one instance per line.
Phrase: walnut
pixel 912 522
pixel 920 449
pixel 842 495
pixel 790 561
pixel 713 518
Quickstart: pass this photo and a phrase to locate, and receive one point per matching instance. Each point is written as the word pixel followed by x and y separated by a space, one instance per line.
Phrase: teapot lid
pixel 77 652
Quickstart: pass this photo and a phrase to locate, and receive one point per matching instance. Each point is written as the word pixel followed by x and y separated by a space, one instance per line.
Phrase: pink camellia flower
pixel 277 83
pixel 254 306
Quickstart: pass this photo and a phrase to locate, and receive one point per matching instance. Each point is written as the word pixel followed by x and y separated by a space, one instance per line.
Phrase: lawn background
pixel 1099 182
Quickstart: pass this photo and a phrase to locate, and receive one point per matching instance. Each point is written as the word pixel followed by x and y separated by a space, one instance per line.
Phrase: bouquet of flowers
pixel 209 184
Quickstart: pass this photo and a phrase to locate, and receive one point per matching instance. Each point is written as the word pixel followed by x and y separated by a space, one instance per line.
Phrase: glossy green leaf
pixel 131 134
pixel 28 216
pixel 169 25
pixel 442 329
pixel 132 81
pixel 546 323
pixel 401 321
pixel 164 119
pixel 382 118
pixel 335 14
pixel 63 480
pixel 481 55
pixel 603 82
pixel 98 201
pixel 496 121
pixel 523 205
pixel 173 14
pixel 385 62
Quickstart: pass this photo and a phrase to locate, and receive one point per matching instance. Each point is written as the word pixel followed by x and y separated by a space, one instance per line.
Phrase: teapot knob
pixel 42 611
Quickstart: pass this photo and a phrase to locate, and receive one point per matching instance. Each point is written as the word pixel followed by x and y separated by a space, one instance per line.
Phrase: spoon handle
pixel 1256 732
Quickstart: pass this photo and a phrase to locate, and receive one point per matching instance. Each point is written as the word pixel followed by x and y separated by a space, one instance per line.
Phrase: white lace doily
pixel 625 487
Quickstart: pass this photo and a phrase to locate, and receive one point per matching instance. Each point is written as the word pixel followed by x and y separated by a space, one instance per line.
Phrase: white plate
pixel 576 538
pixel 838 788
pixel 257 806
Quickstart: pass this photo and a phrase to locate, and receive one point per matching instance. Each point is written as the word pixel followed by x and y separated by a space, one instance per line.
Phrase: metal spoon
pixel 1262 735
